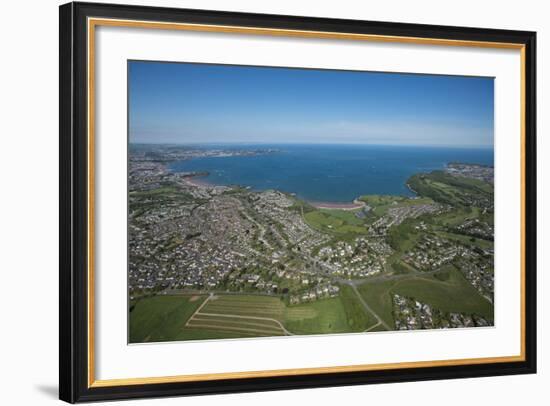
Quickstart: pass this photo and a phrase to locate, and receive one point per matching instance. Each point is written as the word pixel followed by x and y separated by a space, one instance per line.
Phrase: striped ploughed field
pixel 248 315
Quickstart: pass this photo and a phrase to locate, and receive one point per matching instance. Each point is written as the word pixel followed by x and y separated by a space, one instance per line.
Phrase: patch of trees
pixel 398 235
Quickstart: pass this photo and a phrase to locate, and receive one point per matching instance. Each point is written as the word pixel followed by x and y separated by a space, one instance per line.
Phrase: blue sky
pixel 200 103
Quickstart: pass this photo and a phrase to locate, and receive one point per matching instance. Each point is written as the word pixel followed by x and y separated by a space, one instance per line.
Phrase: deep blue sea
pixel 330 173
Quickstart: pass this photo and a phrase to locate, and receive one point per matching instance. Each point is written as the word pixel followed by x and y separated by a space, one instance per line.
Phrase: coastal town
pixel 189 237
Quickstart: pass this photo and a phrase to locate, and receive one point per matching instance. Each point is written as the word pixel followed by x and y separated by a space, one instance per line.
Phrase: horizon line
pixel 248 143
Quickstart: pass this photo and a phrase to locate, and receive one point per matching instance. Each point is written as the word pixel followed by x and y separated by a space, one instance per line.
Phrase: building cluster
pixel 479 271
pixel 410 314
pixel 476 228
pixel 396 215
pixel 476 264
pixel 185 234
pixel 170 153
pixel 357 259
pixel 432 252
pixel 322 291
pixel 480 172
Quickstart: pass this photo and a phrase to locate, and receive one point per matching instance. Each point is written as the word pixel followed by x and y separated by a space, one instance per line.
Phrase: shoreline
pixel 416 195
pixel 194 180
pixel 356 204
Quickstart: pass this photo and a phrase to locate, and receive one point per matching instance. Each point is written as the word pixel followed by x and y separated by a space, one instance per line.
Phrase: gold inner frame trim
pixel 300 371
pixel 94 22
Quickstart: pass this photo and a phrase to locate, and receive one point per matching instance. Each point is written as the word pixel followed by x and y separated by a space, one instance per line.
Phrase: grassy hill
pixel 335 222
pixel 453 190
pixel 447 291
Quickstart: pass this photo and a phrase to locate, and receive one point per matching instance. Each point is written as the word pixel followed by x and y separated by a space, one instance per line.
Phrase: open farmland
pixel 269 316
pixel 446 290
pixel 244 315
pixel 177 317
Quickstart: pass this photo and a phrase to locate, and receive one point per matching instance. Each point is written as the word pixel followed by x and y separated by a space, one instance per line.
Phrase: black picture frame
pixel 74 199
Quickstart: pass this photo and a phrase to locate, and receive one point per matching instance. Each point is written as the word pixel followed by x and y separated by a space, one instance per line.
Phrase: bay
pixel 330 173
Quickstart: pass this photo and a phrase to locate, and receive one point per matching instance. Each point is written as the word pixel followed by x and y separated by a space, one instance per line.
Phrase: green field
pixel 332 315
pixel 381 203
pixel 357 317
pixel 247 305
pixel 402 238
pixel 162 194
pixel 195 317
pixel 335 222
pixel 453 190
pixel 169 194
pixel 171 318
pixel 243 326
pixel 347 216
pixel 466 239
pixel 447 291
pixel 161 318
pixel 456 216
pixel 164 318
pixel 318 317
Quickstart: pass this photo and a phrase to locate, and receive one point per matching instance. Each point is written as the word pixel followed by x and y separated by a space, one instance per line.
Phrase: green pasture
pixel 381 203
pixel 336 222
pixel 161 318
pixel 246 305
pixel 168 318
pixel 447 291
pixel 448 189
pixel 358 318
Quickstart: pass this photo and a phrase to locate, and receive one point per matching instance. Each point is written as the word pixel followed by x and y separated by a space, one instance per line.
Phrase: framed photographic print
pixel 256 202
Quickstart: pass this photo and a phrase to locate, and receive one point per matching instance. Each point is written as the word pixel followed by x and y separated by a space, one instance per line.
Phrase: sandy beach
pixel 197 181
pixel 356 204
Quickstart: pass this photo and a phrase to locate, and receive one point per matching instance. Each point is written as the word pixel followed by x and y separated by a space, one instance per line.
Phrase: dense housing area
pixel 211 261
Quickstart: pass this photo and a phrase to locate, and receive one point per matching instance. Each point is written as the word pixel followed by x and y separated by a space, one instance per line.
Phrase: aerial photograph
pixel 273 201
